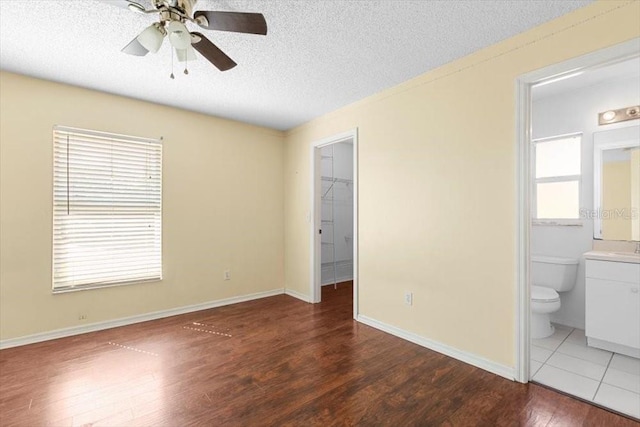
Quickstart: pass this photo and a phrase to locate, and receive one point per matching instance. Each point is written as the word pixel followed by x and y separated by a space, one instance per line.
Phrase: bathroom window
pixel 557 173
pixel 107 209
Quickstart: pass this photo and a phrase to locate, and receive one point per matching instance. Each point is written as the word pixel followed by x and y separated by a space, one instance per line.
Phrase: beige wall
pixel 223 206
pixel 616 196
pixel 437 194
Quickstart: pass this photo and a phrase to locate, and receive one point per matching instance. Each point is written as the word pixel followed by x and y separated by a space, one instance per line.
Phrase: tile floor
pixel 563 361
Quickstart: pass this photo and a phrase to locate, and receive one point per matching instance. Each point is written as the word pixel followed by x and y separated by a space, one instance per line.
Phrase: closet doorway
pixel 334 215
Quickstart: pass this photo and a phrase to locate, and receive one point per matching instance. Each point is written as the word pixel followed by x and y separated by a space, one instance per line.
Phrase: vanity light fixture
pixel 619 115
pixel 608 115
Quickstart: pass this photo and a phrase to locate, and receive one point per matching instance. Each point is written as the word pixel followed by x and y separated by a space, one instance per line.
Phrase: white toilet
pixel 549 275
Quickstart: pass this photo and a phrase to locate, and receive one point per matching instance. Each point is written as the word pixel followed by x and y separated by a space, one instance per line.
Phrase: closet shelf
pixel 340 180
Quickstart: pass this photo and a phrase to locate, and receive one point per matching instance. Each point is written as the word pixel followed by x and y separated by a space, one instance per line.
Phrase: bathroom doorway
pixel 560 118
pixel 334 218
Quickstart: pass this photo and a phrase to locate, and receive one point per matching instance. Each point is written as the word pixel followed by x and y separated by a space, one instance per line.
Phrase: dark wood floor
pixel 276 361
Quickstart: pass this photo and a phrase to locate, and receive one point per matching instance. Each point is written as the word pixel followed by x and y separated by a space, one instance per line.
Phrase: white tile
pixel 577 337
pixel 595 355
pixel 533 367
pixel 622 379
pixel 577 366
pixel 619 400
pixel 550 343
pixel 540 354
pixel 568 382
pixel 627 364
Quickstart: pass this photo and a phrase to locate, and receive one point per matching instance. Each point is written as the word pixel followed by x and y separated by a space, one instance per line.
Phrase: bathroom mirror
pixel 616 172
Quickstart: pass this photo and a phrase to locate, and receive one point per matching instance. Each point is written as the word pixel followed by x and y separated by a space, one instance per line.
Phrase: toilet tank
pixel 554 272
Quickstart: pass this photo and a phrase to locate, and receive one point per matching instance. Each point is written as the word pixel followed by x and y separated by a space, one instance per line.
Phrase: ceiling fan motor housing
pixel 184 6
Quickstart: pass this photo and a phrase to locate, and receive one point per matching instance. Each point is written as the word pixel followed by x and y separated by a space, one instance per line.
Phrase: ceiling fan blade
pixel 124 4
pixel 135 48
pixel 213 53
pixel 252 23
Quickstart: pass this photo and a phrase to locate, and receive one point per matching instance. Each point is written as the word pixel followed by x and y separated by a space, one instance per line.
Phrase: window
pixel 557 168
pixel 107 209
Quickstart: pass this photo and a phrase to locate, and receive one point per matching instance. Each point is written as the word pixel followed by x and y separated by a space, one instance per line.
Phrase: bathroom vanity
pixel 613 301
pixel 612 312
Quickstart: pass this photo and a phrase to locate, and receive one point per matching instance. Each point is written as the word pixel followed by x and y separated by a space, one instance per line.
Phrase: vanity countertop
pixel 613 256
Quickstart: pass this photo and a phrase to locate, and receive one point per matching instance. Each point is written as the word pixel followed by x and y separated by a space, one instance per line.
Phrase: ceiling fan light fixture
pixel 151 38
pixel 188 54
pixel 179 35
pixel 135 48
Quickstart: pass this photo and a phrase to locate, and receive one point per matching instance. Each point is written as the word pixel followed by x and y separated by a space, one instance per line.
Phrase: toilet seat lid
pixel 542 294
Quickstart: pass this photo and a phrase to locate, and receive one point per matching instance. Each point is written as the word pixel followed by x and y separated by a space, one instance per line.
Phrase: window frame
pixel 121 137
pixel 571 222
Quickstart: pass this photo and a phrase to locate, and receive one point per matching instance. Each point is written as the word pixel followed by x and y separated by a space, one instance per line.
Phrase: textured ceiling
pixel 318 56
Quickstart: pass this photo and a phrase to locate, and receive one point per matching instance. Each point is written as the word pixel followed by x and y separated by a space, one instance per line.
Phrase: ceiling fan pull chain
pixel 172 76
pixel 186 62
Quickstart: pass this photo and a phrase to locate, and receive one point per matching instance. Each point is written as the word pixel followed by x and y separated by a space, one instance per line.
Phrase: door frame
pixel 315 215
pixel 524 83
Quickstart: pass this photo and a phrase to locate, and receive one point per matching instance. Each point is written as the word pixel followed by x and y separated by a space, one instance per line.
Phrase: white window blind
pixel 107 209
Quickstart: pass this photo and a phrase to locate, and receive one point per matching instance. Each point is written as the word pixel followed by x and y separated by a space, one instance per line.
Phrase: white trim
pixel 108 135
pixel 463 356
pixel 523 212
pixel 315 215
pixel 588 62
pixel 356 263
pixel 314 223
pixel 617 53
pixel 558 222
pixel 558 137
pixel 108 324
pixel 297 295
pixel 553 179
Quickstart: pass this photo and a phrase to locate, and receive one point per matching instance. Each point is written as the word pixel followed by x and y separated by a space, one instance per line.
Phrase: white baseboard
pixel 567 322
pixel 340 280
pixel 343 271
pixel 83 329
pixel 463 356
pixel 297 294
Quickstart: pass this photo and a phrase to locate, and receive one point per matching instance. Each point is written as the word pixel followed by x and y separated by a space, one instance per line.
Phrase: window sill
pixel 557 223
pixel 97 286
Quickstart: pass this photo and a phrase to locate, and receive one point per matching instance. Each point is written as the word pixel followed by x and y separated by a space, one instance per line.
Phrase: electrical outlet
pixel 82 317
pixel 408 298
pixel 227 275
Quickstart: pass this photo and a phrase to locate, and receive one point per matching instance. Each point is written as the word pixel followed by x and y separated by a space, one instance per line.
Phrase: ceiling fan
pixel 174 14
